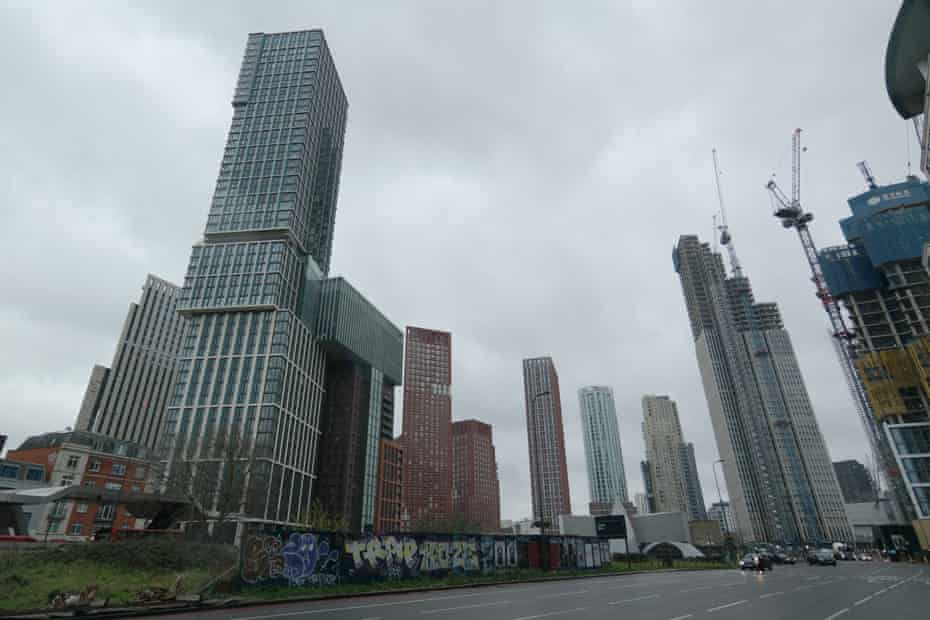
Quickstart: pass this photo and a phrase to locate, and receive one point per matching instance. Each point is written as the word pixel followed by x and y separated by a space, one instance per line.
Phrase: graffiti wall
pixel 293 558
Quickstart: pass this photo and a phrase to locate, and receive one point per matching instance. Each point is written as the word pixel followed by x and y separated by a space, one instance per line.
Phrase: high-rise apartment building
pixel 879 280
pixel 389 514
pixel 546 436
pixel 646 470
pixel 364 353
pixel 778 472
pixel 694 496
pixel 604 458
pixel 642 503
pixel 250 365
pixel 427 426
pixel 674 481
pixel 855 482
pixel 476 493
pixel 127 401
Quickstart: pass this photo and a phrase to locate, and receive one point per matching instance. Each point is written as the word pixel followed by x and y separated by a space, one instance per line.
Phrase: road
pixel 850 591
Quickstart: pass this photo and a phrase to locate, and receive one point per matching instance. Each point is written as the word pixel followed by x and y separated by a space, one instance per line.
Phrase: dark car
pixel 756 561
pixel 822 557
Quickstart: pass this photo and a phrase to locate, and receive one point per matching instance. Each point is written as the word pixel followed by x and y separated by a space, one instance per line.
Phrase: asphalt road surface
pixel 849 591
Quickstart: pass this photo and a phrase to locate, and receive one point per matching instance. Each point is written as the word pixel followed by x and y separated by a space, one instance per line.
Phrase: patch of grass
pixel 29 580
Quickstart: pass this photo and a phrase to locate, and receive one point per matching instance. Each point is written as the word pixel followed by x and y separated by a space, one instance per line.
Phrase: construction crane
pixel 725 238
pixel 792 215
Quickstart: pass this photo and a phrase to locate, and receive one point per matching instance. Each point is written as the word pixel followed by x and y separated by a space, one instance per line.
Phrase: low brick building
pixel 90 460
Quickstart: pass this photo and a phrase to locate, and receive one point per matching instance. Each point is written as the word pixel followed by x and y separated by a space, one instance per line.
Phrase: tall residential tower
pixel 604 458
pixel 250 365
pixel 546 436
pixel 427 426
pixel 778 473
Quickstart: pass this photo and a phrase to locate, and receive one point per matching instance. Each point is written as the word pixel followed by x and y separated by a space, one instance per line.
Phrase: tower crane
pixel 725 239
pixel 792 215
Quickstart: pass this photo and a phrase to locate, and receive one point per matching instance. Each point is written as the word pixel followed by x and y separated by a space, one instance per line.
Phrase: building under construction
pixel 879 279
pixel 780 479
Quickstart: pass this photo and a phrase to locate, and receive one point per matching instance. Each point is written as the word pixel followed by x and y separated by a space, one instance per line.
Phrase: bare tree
pixel 214 475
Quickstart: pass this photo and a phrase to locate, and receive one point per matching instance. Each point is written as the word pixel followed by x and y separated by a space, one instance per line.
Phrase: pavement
pixel 849 591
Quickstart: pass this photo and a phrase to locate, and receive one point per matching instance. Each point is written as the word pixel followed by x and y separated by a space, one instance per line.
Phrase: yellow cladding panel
pixel 920 354
pixel 878 384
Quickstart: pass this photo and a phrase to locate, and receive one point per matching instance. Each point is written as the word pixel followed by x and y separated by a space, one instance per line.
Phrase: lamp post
pixel 723 511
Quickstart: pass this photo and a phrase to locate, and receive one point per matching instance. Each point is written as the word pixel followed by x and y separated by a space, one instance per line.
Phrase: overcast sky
pixel 516 173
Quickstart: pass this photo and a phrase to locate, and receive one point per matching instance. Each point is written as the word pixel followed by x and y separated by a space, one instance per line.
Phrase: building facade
pixel 389 514
pixel 249 364
pixel 642 503
pixel 670 461
pixel 646 471
pixel 546 436
pixel 694 495
pixel 427 426
pixel 879 279
pixel 91 460
pixel 364 353
pixel 127 401
pixel 476 493
pixel 603 455
pixel 855 482
pixel 720 511
pixel 778 472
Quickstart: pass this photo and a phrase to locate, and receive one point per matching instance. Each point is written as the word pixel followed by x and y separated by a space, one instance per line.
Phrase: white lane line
pixel 563 594
pixel 770 594
pixel 285 614
pixel 630 600
pixel 701 588
pixel 725 606
pixel 837 614
pixel 860 602
pixel 682 617
pixel 803 588
pixel 373 618
pixel 437 611
pixel 552 613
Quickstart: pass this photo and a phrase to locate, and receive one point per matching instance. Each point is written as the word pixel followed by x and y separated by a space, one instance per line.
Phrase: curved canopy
pixel 908 45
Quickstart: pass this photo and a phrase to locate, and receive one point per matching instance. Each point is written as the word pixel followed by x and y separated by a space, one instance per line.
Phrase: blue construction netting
pixel 847 269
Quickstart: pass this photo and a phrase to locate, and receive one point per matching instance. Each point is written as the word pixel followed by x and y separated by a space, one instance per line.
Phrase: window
pixel 140 472
pixel 90 484
pixel 76 529
pixel 106 512
pixel 67 480
pixel 118 469
pixel 82 507
pixel 113 486
pixel 94 466
pixel 9 471
pixel 35 474
pixel 73 462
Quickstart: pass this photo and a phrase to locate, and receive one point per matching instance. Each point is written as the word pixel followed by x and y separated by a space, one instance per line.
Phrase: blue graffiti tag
pixel 301 554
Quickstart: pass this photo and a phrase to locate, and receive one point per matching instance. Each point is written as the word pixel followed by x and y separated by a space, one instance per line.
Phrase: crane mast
pixel 725 239
pixel 792 215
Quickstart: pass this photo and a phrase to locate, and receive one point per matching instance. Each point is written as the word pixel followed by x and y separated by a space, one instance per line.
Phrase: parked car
pixel 790 559
pixel 822 557
pixel 756 561
pixel 865 557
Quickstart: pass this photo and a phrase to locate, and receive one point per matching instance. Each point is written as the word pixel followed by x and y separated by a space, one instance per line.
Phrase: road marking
pixel 373 618
pixel 837 614
pixel 552 613
pixel 865 600
pixel 354 607
pixel 682 617
pixel 725 606
pixel 803 588
pixel 771 594
pixel 630 600
pixel 563 594
pixel 701 588
pixel 436 611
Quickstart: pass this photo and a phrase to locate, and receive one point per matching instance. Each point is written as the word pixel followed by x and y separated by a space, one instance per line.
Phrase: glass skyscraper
pixel 603 455
pixel 249 363
pixel 778 472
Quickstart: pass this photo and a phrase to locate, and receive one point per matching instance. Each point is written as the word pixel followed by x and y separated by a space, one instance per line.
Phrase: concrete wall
pixel 661 526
